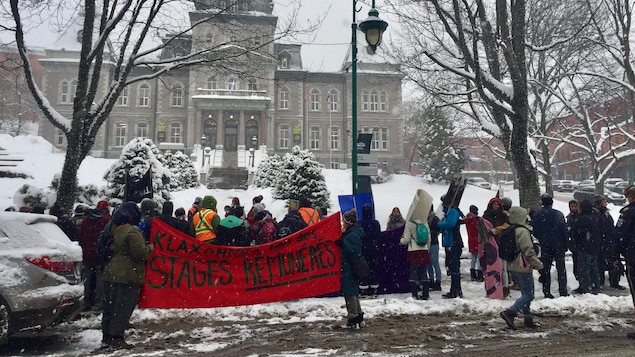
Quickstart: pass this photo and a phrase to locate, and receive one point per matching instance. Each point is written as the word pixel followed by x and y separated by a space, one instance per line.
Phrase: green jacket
pixel 130 253
pixel 527 260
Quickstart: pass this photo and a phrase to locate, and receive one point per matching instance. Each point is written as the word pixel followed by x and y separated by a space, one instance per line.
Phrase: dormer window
pixel 284 62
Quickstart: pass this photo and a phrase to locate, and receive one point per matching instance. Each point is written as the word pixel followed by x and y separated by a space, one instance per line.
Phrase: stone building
pixel 271 101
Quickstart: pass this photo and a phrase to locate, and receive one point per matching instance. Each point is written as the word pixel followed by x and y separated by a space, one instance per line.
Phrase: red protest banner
pixel 185 273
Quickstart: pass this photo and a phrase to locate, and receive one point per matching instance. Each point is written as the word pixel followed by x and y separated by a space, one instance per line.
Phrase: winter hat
pixel 261 215
pixel 103 204
pixel 180 212
pixel 63 211
pixel 304 202
pixel 148 205
pixel 128 212
pixel 198 200
pixel 209 202
pixel 259 207
pixel 547 201
pixel 474 209
pixel 586 207
pixel 167 209
pixel 79 210
pixel 350 217
pixel 95 213
pixel 598 199
pixel 507 202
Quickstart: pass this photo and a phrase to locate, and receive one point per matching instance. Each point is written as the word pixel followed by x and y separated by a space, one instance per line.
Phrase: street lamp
pixel 373 28
pixel 254 142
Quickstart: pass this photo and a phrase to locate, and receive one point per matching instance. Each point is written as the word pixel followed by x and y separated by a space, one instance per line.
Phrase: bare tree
pixel 17 108
pixel 124 33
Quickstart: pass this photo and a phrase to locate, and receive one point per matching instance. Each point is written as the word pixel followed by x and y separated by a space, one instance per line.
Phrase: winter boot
pixel 414 288
pixel 479 276
pixel 437 285
pixel 473 275
pixel 425 289
pixel 373 290
pixel 105 342
pixel 364 291
pixel 509 315
pixel 529 322
pixel 118 343
pixel 354 323
pixel 506 292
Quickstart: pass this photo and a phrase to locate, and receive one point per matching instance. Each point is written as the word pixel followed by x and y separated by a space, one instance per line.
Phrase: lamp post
pixel 373 28
pixel 254 142
pixel 203 142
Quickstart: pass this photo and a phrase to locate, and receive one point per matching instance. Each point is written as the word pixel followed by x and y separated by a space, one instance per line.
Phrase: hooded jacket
pixel 586 230
pixel 527 259
pixel 372 228
pixel 291 223
pixel 498 218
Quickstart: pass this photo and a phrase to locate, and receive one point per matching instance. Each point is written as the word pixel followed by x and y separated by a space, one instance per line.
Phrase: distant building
pixel 273 102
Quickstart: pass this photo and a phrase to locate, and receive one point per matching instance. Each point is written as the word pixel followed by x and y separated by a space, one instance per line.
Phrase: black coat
pixel 291 223
pixel 586 233
pixel 550 228
pixel 625 228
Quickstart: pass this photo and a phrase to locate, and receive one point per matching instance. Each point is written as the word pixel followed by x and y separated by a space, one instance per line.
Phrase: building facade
pixel 263 97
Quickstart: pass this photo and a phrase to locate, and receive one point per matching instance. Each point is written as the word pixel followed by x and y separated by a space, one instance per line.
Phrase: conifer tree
pixel 184 174
pixel 302 177
pixel 268 172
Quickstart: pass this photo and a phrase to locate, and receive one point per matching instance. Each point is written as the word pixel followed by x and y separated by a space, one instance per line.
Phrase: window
pixel 144 95
pixel 374 144
pixel 142 130
pixel 383 102
pixel 175 133
pixel 364 101
pixel 283 98
pixel 335 138
pixel 383 139
pixel 252 84
pixel 232 84
pixel 122 101
pixel 315 100
pixel 67 91
pixel 177 95
pixel 284 62
pixel 314 138
pixel 283 137
pixel 59 137
pixel 121 134
pixel 374 101
pixel 333 100
pixel 335 163
pixel 212 83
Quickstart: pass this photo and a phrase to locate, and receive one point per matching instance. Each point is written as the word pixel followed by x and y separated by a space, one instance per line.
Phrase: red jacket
pixel 471 220
pixel 89 234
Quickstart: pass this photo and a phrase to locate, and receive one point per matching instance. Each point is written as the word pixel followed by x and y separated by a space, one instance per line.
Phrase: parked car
pixel 610 182
pixel 40 282
pixel 588 193
pixel 614 197
pixel 563 185
pixel 479 182
pixel 402 172
pixel 619 187
pixel 585 183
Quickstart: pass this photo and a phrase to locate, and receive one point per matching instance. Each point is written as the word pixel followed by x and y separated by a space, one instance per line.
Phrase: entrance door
pixel 251 134
pixel 231 135
pixel 209 130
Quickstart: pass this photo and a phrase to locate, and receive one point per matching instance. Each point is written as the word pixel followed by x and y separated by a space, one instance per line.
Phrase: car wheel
pixel 4 323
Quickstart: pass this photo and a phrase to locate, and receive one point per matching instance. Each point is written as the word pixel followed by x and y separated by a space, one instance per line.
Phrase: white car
pixel 40 280
pixel 479 182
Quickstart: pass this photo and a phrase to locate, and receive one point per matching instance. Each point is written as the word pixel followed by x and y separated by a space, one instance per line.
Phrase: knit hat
pixel 259 207
pixel 209 202
pixel 350 217
pixel 474 209
pixel 507 202
pixel 598 199
pixel 79 210
pixel 128 212
pixel 167 209
pixel 198 200
pixel 103 204
pixel 148 205
pixel 546 200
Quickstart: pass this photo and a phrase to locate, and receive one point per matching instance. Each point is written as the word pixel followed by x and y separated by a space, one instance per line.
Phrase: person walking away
pixel 453 244
pixel 148 211
pixel 205 222
pixel 123 275
pixel 267 232
pixel 607 245
pixel 434 268
pixel 395 219
pixel 574 211
pixel 586 234
pixel 370 251
pixel 625 228
pixel 94 222
pixel 418 257
pixel 521 270
pixel 291 223
pixel 351 244
pixel 550 228
pixel 78 217
pixel 471 221
pixel 166 216
pixel 309 214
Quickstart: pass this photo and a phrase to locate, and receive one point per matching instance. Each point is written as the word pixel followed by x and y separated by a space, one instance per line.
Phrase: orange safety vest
pixel 309 215
pixel 203 225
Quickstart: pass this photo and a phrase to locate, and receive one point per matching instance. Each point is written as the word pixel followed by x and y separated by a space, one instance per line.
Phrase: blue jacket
pixel 451 236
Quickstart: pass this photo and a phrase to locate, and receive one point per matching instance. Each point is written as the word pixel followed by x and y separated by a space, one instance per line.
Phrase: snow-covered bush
pixel 28 195
pixel 268 172
pixel 301 176
pixel 184 174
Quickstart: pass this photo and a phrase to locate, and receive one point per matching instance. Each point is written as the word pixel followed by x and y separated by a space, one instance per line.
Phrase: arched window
pixel 176 94
pixel 374 101
pixel 124 96
pixel 121 134
pixel 232 84
pixel 143 94
pixel 175 132
pixel 314 103
pixel 284 134
pixel 365 104
pixel 383 102
pixel 283 98
pixel 333 100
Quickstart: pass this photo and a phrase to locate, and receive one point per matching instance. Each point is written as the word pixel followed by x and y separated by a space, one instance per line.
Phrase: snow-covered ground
pixel 42 163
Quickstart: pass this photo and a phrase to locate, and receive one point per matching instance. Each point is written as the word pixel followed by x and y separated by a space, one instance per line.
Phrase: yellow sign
pixel 161 127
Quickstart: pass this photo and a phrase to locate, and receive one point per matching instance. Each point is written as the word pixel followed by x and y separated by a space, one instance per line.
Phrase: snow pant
pixel 526 283
pixel 548 256
pixel 93 286
pixel 453 262
pixel 120 301
pixel 353 307
pixel 588 273
pixel 434 269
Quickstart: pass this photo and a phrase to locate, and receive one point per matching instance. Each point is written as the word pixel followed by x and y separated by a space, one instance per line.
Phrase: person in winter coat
pixel 309 214
pixel 434 268
pixel 586 235
pixel 148 211
pixel 166 216
pixel 236 209
pixel 267 232
pixel 291 223
pixel 418 257
pixel 123 275
pixel 232 232
pixel 550 228
pixel 196 206
pixel 625 229
pixel 521 270
pixel 351 244
pixel 94 222
pixel 471 221
pixel 395 219
pixel 453 243
pixel 608 242
pixel 574 212
pixel 66 225
pixel 499 218
pixel 205 222
pixel 370 250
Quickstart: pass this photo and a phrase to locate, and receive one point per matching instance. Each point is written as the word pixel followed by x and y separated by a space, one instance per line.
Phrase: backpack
pixel 104 244
pixel 422 234
pixel 507 248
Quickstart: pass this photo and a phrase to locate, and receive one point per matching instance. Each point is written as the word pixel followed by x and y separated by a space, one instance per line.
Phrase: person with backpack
pixel 586 235
pixel 291 223
pixel 370 251
pixel 268 231
pixel 550 228
pixel 521 268
pixel 123 275
pixel 418 256
pixel 453 242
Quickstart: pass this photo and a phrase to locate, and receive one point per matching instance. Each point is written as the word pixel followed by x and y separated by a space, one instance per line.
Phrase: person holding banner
pixel 351 244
